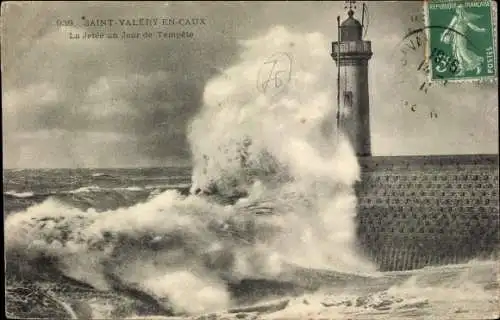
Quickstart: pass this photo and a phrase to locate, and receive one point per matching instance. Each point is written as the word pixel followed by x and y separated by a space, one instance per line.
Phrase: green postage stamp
pixel 461 39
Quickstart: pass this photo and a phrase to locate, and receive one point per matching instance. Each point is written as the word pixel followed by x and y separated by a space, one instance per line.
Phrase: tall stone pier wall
pixel 428 210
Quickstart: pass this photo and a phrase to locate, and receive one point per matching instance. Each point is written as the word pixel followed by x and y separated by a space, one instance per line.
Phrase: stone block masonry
pixel 428 210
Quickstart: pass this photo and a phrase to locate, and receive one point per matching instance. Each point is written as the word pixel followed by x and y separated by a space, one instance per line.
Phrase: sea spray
pixel 288 174
pixel 285 144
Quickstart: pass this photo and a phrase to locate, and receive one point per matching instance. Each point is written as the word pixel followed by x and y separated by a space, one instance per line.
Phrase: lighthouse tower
pixel 351 54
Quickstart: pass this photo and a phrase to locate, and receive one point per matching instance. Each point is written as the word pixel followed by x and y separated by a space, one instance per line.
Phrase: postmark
pixel 275 74
pixel 413 58
pixel 460 42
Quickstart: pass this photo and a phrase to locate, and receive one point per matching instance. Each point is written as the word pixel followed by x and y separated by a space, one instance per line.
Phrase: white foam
pixel 26 194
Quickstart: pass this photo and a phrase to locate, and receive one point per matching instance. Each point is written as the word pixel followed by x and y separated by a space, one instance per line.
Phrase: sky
pixel 128 103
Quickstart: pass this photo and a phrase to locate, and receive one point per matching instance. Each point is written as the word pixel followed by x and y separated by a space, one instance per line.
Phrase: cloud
pixel 151 89
pixel 40 120
pixel 68 149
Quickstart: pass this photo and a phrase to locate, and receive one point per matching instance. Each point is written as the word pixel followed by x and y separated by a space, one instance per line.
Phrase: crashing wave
pixel 271 195
pixel 26 194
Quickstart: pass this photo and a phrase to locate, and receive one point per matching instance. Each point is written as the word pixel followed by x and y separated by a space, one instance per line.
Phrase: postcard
pixel 250 160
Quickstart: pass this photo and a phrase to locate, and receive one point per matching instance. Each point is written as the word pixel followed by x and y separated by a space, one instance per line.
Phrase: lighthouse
pixel 351 54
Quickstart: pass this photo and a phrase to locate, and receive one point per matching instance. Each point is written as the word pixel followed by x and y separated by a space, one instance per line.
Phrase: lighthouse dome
pixel 351 29
pixel 351 21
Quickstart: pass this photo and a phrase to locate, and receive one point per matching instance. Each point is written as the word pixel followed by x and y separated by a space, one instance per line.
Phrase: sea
pixel 100 189
pixel 466 291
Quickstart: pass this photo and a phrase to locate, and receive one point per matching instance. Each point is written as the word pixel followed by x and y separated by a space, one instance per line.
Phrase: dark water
pixel 101 189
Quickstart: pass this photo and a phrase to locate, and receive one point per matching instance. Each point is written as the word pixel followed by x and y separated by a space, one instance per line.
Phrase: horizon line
pixel 188 165
pixel 100 168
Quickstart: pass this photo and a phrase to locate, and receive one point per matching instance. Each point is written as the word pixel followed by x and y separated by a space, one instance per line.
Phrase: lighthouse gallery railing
pixel 352 46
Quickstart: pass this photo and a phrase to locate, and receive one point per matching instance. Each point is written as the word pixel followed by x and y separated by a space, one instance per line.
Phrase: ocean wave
pixel 95 197
pixel 27 194
pixel 102 189
pixel 102 175
pixel 168 186
pixel 96 189
pixel 147 246
pixel 168 178
pixel 143 177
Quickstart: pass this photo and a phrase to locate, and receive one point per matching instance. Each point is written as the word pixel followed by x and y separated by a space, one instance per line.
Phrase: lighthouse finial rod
pixel 351 4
